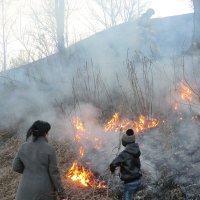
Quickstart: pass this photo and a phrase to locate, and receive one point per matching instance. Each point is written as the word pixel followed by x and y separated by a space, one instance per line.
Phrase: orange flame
pixel 143 123
pixel 176 107
pixel 79 127
pixel 81 151
pixel 185 92
pixel 98 143
pixel 78 124
pixel 112 124
pixel 80 174
pixel 85 177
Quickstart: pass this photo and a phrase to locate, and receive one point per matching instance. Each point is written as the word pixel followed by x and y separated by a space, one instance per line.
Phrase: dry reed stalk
pixel 142 85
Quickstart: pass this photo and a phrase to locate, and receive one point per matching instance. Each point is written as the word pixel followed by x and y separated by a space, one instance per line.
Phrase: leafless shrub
pixel 141 81
pixel 89 86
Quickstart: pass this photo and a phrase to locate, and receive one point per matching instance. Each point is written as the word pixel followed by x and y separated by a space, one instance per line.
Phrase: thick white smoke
pixel 97 78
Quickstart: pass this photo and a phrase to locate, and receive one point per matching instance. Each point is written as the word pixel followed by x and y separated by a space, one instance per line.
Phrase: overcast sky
pixel 171 7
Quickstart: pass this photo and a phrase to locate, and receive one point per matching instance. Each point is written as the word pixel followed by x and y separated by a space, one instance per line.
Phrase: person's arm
pixel 139 152
pixel 116 162
pixel 17 164
pixel 55 176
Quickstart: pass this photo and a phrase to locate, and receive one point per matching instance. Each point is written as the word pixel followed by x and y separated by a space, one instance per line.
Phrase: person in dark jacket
pixel 129 162
pixel 36 161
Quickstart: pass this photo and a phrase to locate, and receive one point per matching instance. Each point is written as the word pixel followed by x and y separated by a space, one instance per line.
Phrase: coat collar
pixel 42 139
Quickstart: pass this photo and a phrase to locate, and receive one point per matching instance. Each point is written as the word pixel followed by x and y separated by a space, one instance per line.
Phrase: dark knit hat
pixel 128 137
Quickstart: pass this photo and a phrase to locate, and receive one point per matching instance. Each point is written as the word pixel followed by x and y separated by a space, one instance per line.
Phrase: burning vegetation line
pixel 83 176
pixel 116 124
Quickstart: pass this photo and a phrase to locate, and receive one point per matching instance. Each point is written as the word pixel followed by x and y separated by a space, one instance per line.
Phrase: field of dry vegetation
pixel 163 188
pixel 65 152
pixel 170 152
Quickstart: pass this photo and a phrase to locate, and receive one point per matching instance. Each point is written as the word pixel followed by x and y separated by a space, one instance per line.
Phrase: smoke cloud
pixel 108 73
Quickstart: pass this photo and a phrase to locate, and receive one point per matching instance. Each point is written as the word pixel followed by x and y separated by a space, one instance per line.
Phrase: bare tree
pixel 59 15
pixel 34 35
pixel 48 31
pixel 113 12
pixel 70 7
pixel 3 35
pixel 45 34
pixel 196 34
pixel 109 12
pixel 129 8
pixel 7 22
pixel 42 30
pixel 45 31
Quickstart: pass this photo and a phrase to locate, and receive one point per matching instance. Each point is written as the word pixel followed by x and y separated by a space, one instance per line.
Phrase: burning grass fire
pixel 143 123
pixel 185 92
pixel 185 97
pixel 79 127
pixel 78 173
pixel 85 177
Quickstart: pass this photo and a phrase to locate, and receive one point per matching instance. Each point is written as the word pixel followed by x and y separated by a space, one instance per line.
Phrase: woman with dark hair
pixel 36 161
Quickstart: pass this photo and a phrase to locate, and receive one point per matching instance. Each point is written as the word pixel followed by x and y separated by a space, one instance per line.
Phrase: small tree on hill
pixel 112 12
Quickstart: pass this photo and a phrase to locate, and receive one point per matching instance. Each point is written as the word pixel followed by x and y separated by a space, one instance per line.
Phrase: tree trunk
pixel 3 37
pixel 196 33
pixel 59 10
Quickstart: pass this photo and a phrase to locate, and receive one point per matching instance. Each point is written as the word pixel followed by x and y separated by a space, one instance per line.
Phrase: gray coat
pixel 36 161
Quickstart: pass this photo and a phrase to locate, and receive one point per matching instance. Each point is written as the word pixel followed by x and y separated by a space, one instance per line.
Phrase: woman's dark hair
pixel 38 129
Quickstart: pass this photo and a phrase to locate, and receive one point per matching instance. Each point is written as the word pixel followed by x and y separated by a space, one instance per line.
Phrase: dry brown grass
pixel 66 153
pixel 8 178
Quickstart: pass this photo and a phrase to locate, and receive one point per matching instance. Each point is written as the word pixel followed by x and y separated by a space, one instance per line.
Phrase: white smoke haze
pixel 104 75
pixel 55 101
pixel 96 142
